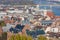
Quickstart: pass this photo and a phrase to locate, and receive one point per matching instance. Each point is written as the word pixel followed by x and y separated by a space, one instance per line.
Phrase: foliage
pixel 2 23
pixel 29 38
pixel 3 36
pixel 12 38
pixel 20 37
pixel 42 38
pixel 0 37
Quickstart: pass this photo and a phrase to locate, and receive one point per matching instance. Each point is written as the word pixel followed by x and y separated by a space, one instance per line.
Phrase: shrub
pixel 42 38
pixel 29 38
pixel 2 23
pixel 12 38
pixel 0 38
pixel 3 36
pixel 20 37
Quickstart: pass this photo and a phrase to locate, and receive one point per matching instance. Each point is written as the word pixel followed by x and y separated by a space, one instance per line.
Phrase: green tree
pixel 42 38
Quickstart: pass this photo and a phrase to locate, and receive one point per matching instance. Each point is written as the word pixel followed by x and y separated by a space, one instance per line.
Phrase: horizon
pixel 55 9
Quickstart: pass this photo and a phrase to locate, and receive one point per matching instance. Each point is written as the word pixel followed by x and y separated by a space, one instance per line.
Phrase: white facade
pixel 50 29
pixel 2 14
pixel 15 11
pixel 48 18
pixel 47 29
pixel 45 12
pixel 55 30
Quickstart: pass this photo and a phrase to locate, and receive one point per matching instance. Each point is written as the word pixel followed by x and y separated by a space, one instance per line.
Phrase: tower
pixel 45 12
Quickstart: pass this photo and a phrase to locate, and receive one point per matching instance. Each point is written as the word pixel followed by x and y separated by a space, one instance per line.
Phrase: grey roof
pixel 46 21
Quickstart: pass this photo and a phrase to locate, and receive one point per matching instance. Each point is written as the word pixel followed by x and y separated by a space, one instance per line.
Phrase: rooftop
pixel 50 14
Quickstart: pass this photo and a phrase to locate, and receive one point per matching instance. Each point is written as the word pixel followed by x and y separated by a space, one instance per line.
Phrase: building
pixel 50 14
pixel 46 23
pixel 2 14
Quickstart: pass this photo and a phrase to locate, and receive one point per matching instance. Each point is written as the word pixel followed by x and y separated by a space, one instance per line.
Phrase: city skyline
pixel 54 8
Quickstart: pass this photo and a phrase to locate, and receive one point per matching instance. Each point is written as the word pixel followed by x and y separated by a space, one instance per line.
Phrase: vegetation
pixel 0 37
pixel 42 38
pixel 20 37
pixel 2 23
pixel 3 36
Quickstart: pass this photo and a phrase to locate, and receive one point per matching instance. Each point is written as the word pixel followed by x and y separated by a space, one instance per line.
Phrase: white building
pixel 47 29
pixel 55 30
pixel 13 10
pixel 2 14
pixel 51 29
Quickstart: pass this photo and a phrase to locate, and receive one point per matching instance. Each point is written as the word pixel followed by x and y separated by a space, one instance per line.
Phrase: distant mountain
pixel 47 1
pixel 53 0
pixel 16 2
pixel 29 2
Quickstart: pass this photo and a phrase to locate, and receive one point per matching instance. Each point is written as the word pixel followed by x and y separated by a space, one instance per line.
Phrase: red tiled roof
pixel 57 16
pixel 50 14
